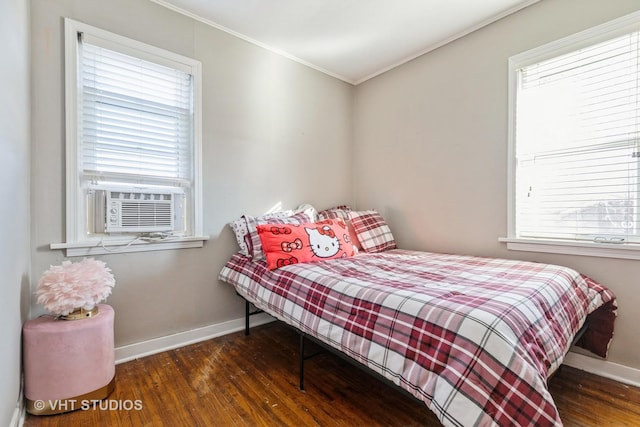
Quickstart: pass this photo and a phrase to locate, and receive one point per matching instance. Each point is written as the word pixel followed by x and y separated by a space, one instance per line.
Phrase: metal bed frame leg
pixel 302 357
pixel 247 314
pixel 301 361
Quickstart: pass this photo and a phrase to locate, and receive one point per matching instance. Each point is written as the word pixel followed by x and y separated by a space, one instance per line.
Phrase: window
pixel 575 139
pixel 133 145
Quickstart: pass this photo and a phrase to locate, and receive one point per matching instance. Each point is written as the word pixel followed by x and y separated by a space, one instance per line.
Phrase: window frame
pixel 617 27
pixel 77 242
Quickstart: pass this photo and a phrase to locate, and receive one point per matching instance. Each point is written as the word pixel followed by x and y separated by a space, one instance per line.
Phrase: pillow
pixel 309 210
pixel 254 243
pixel 373 233
pixel 241 230
pixel 286 244
pixel 342 211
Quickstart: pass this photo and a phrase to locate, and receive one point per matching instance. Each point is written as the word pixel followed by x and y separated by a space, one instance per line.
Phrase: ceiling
pixel 353 40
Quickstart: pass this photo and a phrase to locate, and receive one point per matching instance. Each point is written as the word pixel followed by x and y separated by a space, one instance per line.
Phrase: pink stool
pixel 67 362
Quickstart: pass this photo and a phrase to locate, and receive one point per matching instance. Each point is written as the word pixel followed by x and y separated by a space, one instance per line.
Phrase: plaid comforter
pixel 474 338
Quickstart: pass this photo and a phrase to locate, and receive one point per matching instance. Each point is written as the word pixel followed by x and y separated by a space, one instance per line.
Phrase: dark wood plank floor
pixel 253 381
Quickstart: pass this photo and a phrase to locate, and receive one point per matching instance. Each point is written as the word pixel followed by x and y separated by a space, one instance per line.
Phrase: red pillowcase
pixel 286 244
pixel 342 211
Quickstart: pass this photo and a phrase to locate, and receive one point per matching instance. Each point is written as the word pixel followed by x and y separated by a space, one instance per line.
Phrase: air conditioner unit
pixel 134 211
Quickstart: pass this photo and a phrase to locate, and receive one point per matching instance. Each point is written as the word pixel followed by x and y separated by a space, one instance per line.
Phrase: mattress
pixel 474 338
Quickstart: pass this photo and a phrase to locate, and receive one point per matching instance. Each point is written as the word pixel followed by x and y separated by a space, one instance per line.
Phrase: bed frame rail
pixel 302 357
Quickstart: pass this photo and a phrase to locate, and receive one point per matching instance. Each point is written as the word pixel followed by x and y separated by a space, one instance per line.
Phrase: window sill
pixel 568 247
pixel 125 246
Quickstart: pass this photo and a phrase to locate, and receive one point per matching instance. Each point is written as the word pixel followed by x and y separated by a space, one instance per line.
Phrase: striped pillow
pixel 242 232
pixel 373 232
pixel 341 211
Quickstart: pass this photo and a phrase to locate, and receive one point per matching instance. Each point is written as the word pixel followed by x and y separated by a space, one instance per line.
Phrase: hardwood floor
pixel 253 381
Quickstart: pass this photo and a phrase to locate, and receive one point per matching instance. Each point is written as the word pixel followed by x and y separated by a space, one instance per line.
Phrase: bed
pixel 474 338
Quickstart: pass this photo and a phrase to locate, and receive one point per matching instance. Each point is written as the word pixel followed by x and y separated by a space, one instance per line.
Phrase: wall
pixel 430 148
pixel 274 132
pixel 14 193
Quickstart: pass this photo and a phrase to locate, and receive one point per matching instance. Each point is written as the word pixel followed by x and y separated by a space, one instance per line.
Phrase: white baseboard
pixel 17 420
pixel 604 368
pixel 169 342
pixel 19 412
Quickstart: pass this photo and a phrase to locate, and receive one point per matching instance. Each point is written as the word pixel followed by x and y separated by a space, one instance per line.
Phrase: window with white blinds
pixel 133 117
pixel 576 133
pixel 136 117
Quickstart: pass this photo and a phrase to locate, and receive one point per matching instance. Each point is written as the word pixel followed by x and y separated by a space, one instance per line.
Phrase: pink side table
pixel 67 362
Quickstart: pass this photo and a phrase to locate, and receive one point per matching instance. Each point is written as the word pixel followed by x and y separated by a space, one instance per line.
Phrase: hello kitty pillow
pixel 286 244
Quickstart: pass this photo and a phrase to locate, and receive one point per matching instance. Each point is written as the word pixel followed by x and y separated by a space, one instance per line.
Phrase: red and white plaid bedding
pixel 474 338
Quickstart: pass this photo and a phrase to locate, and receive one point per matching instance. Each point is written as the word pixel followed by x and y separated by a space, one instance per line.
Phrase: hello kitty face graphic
pixel 323 240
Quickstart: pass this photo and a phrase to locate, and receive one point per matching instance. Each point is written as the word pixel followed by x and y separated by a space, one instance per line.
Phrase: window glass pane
pixel 136 117
pixel 577 127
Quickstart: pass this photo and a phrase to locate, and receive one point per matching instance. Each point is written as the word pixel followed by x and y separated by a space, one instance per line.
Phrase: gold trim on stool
pixel 80 313
pixel 59 406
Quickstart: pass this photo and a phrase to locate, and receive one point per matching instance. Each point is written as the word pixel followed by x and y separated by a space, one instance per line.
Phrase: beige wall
pixel 424 143
pixel 268 124
pixel 430 148
pixel 14 193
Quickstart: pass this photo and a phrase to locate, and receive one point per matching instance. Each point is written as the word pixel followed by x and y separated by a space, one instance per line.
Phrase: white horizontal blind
pixel 136 118
pixel 577 153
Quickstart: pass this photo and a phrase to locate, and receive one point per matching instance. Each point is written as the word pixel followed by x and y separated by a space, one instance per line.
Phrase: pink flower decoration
pixel 64 288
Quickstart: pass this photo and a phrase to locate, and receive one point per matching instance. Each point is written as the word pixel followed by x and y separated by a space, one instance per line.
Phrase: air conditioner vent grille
pixel 150 214
pixel 131 211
